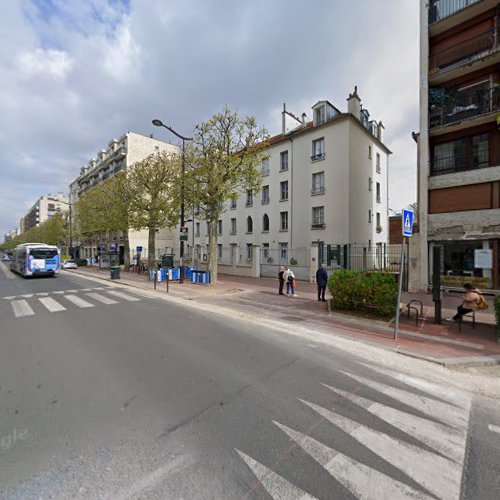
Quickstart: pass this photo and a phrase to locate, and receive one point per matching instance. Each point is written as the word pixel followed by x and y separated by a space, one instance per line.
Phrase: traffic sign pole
pixel 400 288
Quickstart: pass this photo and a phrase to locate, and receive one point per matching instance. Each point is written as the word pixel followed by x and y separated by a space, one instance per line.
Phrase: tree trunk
pixel 126 243
pixel 212 251
pixel 151 247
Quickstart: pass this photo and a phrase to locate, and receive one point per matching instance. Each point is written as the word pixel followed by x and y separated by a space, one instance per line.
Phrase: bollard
pixel 155 278
pixel 167 280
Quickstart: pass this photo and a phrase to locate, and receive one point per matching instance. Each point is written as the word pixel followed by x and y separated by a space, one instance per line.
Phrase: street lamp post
pixel 159 123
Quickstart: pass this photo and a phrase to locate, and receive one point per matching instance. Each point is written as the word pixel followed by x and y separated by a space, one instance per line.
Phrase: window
pixel 370 152
pixel 249 251
pixel 377 164
pixel 249 198
pixel 232 205
pixel 318 149
pixel 265 251
pixel 219 251
pixel 378 192
pixel 233 226
pixel 265 167
pixel 283 161
pixel 319 114
pixel 265 223
pixel 51 206
pixel 480 151
pixel 197 229
pixel 283 221
pixel 370 184
pixel 318 183
pixel 318 216
pixel 283 190
pixel 283 247
pixel 379 227
pixel 219 227
pixel 249 225
pixel 208 228
pixel 157 148
pixel 369 216
pixel 265 195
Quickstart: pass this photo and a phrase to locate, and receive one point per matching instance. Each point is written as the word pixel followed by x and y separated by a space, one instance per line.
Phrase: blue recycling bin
pixel 194 276
pixel 204 277
pixel 175 274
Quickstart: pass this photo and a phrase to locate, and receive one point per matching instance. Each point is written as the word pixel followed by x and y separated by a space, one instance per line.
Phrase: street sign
pixel 138 249
pixel 184 237
pixel 112 247
pixel 407 222
pixel 184 230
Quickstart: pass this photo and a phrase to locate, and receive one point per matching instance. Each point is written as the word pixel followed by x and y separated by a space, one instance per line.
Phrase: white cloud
pixel 81 73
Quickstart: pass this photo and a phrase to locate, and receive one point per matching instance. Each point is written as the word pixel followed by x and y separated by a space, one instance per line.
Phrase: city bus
pixel 36 259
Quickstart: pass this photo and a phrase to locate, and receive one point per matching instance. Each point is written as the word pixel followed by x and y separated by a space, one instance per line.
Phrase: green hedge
pixel 497 314
pixel 81 262
pixel 372 293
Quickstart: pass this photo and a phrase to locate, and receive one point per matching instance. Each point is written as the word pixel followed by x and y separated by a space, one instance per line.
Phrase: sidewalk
pixel 259 297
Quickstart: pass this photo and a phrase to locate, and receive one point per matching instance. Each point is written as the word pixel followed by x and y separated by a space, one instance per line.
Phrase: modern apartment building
pixel 119 155
pixel 459 143
pixel 44 208
pixel 325 183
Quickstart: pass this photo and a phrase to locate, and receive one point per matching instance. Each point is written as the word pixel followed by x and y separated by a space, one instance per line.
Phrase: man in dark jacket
pixel 321 281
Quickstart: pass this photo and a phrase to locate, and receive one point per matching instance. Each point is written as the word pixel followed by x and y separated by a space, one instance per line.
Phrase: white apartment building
pixel 325 182
pixel 44 208
pixel 120 154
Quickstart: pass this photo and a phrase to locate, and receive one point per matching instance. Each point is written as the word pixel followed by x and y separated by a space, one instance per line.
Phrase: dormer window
pixel 320 115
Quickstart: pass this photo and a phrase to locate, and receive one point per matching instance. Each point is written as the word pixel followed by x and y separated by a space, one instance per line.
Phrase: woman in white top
pixel 290 282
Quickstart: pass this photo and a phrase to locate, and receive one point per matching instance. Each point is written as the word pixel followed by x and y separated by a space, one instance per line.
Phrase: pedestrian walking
pixel 472 298
pixel 321 282
pixel 281 279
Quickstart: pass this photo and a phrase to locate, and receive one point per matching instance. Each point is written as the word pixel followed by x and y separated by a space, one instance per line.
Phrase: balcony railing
pixel 318 190
pixel 441 9
pixel 318 156
pixel 463 52
pixel 460 163
pixel 466 105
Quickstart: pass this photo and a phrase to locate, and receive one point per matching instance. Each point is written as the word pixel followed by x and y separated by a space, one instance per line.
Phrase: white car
pixel 69 264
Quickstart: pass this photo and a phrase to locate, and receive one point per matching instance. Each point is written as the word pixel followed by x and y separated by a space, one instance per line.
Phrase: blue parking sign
pixel 407 222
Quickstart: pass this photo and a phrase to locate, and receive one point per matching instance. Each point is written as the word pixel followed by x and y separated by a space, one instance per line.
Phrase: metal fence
pixel 381 257
pixel 285 256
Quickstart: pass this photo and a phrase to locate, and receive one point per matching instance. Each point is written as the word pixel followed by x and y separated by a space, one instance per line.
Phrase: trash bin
pixel 194 276
pixel 204 277
pixel 114 273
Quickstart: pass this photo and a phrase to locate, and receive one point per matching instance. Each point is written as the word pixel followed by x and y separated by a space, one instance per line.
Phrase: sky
pixel 75 74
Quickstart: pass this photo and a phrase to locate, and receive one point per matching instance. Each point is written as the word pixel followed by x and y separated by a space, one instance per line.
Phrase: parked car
pixel 69 264
pixel 5 258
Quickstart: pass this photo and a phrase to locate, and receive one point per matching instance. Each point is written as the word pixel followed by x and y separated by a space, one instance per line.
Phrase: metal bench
pixel 419 311
pixel 461 320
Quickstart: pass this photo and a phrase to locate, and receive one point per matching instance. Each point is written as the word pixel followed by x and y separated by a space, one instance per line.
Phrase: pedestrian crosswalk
pixel 21 306
pixel 424 451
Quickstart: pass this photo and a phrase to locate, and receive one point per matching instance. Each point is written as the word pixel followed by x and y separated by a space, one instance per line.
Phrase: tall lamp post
pixel 159 123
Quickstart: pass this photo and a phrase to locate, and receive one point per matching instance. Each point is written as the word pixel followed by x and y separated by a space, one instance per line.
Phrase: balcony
pixel 442 9
pixel 463 53
pixel 318 190
pixel 318 156
pixel 465 105
pixel 460 163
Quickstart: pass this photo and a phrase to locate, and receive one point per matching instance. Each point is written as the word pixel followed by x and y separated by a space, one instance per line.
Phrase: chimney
pixel 283 119
pixel 381 129
pixel 304 120
pixel 354 103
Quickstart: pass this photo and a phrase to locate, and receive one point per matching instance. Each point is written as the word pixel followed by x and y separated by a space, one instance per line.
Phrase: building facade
pixel 44 209
pixel 325 183
pixel 459 144
pixel 120 154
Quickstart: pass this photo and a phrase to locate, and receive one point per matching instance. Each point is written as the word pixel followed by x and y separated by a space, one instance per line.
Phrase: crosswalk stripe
pixel 448 393
pixel 101 298
pixel 78 301
pixel 51 304
pixel 494 428
pixel 438 475
pixel 437 409
pixel 21 308
pixel 363 481
pixel 123 296
pixel 440 437
pixel 277 487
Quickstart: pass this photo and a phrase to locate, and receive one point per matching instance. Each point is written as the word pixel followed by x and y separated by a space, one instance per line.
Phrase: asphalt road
pixel 107 393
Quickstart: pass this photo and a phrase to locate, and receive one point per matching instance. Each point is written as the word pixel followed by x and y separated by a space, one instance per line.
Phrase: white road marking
pixel 10 297
pixel 447 393
pixel 26 296
pixel 494 428
pixel 438 475
pixel 361 480
pixel 78 301
pixel 101 298
pixel 441 438
pixel 446 413
pixel 51 304
pixel 21 308
pixel 8 274
pixel 123 296
pixel 277 487
pixel 42 294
